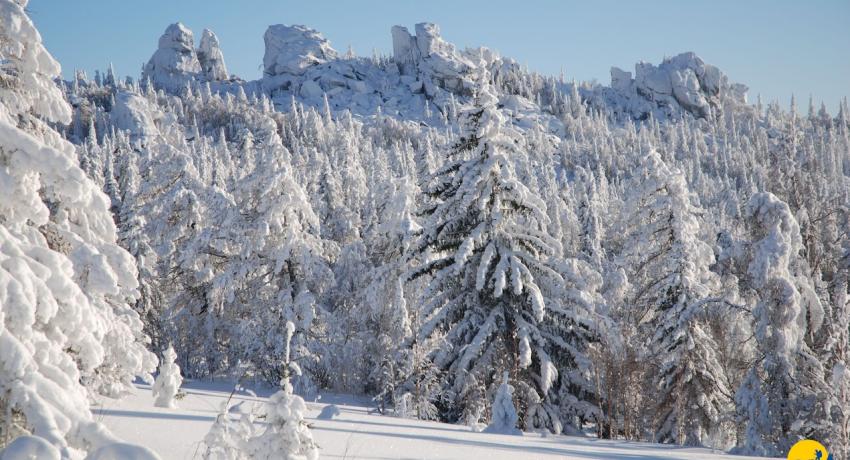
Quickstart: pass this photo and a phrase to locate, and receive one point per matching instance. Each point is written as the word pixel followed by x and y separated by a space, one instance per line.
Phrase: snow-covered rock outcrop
pixel 293 49
pixel 428 54
pixel 132 113
pixel 427 74
pixel 175 61
pixel 300 59
pixel 681 82
pixel 423 79
pixel 211 58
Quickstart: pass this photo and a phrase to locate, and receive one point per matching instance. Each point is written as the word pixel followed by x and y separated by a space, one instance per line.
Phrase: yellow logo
pixel 808 449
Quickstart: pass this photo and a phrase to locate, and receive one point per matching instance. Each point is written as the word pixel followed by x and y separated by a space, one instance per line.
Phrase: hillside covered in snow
pixel 439 233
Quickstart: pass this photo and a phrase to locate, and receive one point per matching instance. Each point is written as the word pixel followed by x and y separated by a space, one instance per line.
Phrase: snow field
pixel 358 433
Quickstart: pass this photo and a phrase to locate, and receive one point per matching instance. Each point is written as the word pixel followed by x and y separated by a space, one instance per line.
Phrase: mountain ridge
pixel 299 62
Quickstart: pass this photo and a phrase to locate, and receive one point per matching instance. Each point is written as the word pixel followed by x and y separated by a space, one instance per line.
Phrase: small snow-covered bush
pixel 168 381
pixel 227 439
pixel 504 413
pixel 286 436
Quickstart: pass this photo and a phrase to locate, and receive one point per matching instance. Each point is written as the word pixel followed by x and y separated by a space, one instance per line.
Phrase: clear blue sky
pixel 776 47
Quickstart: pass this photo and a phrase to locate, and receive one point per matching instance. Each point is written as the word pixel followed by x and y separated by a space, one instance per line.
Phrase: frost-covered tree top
pixel 27 69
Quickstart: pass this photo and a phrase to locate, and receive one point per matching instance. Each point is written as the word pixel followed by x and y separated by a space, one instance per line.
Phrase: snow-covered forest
pixel 440 230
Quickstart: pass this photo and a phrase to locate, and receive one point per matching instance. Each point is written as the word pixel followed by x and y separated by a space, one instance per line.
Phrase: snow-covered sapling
pixel 168 381
pixel 504 413
pixel 227 438
pixel 287 435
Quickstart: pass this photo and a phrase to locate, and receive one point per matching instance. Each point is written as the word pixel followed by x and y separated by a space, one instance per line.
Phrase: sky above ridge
pixel 776 47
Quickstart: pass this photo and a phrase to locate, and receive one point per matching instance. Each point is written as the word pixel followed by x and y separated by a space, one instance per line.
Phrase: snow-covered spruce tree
pixel 504 420
pixel 575 322
pixel 775 400
pixel 65 321
pixel 133 237
pixel 669 269
pixel 168 382
pixel 591 231
pixel 287 435
pixel 274 268
pixel 174 215
pixel 421 384
pixel 474 393
pixel 488 257
pixel 386 311
pixel 836 432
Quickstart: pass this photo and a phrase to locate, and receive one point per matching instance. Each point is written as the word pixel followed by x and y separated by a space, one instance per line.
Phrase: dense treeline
pixel 682 280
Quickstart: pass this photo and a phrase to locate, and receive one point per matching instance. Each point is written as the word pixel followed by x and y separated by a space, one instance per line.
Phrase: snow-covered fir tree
pixel 287 435
pixel 485 248
pixel 669 269
pixel 67 330
pixel 787 380
pixel 280 275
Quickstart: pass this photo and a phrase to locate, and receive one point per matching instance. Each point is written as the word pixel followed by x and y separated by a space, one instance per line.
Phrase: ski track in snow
pixel 358 433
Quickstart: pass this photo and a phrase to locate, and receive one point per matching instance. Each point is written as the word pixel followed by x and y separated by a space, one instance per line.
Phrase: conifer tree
pixel 287 435
pixel 669 269
pixel 486 251
pixel 786 378
pixel 67 330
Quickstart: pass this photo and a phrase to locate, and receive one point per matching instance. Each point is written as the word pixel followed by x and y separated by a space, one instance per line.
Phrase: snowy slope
pixel 356 433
